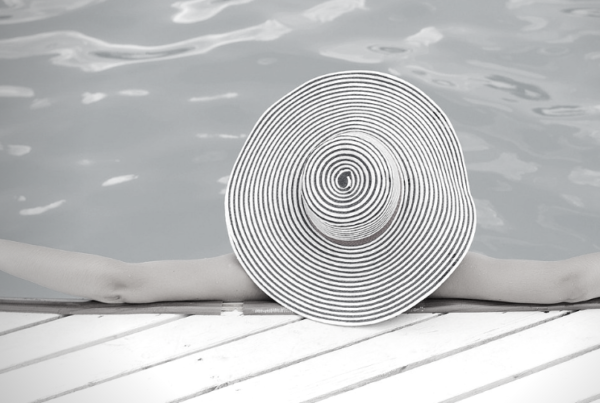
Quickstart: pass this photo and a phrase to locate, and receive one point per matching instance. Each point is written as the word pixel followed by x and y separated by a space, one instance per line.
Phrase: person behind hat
pixel 348 204
pixel 222 278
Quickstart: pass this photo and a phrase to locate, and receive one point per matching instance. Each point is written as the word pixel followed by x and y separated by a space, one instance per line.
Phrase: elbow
pixel 116 284
pixel 574 286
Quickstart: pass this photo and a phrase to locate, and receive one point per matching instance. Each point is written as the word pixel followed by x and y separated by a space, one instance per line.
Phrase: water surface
pixel 121 120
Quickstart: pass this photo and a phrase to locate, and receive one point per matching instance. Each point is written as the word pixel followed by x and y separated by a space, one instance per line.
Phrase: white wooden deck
pixel 473 357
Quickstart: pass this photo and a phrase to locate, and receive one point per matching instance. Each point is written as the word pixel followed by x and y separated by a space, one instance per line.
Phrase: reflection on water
pixel 332 9
pixel 16 150
pixel 41 209
pixel 592 56
pixel 507 164
pixel 533 23
pixel 227 95
pixel 31 10
pixel 574 200
pixel 365 51
pixel 132 162
pixel 518 89
pixel 75 49
pixel 134 93
pixel 224 180
pixel 572 222
pixel 583 12
pixel 220 136
pixel 40 103
pixel 487 217
pixel 471 142
pixel 582 176
pixel 567 110
pixel 14 91
pixel 119 179
pixel 200 10
pixel 90 98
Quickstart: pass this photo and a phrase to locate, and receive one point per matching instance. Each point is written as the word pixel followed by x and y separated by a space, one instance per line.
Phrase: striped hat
pixel 349 202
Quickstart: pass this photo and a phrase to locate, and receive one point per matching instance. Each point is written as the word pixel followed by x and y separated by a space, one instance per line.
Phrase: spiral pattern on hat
pixel 350 187
pixel 349 202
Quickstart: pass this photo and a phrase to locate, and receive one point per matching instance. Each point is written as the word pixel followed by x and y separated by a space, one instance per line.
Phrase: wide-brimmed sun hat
pixel 349 202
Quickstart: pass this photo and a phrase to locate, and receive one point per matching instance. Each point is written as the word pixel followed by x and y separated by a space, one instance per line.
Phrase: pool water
pixel 120 121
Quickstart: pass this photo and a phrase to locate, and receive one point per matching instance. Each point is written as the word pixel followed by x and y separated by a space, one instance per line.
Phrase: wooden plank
pixel 132 353
pixel 489 365
pixel 232 362
pixel 430 305
pixel 67 334
pixel 572 381
pixel 12 321
pixel 377 357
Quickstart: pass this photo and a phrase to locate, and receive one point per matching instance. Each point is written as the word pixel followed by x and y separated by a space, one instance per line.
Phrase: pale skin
pixel 222 278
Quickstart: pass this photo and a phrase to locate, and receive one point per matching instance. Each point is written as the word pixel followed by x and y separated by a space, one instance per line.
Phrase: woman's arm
pixel 222 278
pixel 524 281
pixel 73 273
pixel 113 281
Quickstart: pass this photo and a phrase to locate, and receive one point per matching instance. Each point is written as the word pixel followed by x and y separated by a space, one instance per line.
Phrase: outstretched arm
pixel 222 278
pixel 113 281
pixel 524 281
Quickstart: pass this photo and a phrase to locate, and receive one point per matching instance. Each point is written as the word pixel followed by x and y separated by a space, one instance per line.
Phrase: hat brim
pixel 363 283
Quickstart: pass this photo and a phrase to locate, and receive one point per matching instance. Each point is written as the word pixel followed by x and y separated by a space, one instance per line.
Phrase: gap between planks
pixel 33 341
pixel 374 359
pixel 473 374
pixel 172 341
pixel 215 358
pixel 574 380
pixel 13 322
pixel 259 358
pixel 435 358
pixel 523 374
pixel 591 399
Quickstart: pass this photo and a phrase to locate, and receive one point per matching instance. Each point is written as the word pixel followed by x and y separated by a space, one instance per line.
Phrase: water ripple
pixel 91 97
pixel 332 9
pixel 14 91
pixel 470 142
pixel 574 36
pixel 583 12
pixel 18 150
pixel 75 49
pixel 32 10
pixel 223 180
pixel 487 217
pixel 41 103
pixel 119 179
pixel 505 69
pixel 519 89
pixel 574 200
pixel 134 93
pixel 199 10
pixel 507 165
pixel 564 111
pixel 42 209
pixel 208 98
pixel 534 23
pixel 365 51
pixel 583 176
pixel 592 56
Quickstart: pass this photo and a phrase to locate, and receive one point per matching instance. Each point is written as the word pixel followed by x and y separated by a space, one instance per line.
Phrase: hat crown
pixel 350 188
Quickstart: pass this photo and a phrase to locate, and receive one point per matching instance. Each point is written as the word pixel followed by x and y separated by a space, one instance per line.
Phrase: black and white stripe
pixel 349 202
